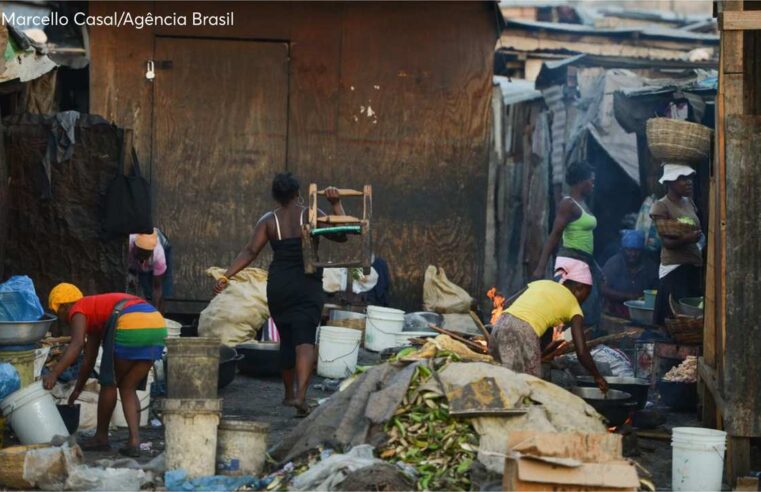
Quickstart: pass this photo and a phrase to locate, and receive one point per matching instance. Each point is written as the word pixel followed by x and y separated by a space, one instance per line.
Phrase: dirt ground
pixel 260 399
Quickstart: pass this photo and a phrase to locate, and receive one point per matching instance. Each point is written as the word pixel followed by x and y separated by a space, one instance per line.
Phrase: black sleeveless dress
pixel 295 299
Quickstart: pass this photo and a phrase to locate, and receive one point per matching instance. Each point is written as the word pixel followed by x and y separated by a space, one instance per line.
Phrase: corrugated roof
pixel 516 90
pixel 618 32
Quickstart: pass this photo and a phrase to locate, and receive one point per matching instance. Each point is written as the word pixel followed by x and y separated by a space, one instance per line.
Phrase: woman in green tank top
pixel 575 226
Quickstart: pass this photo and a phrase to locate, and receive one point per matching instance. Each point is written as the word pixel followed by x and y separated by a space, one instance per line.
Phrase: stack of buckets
pixel 31 411
pixel 339 345
pixel 196 440
pixel 192 409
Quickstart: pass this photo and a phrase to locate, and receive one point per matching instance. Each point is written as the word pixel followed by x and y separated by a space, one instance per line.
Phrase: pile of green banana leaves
pixel 424 435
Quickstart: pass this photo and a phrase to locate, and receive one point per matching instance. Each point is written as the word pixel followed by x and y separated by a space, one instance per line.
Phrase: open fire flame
pixel 629 421
pixel 498 303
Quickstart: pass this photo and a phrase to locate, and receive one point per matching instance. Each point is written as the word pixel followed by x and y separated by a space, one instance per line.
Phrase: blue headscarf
pixel 632 239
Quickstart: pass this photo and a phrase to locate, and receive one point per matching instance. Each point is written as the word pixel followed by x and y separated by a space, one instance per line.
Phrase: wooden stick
pixel 602 340
pixel 657 435
pixel 471 345
pixel 481 327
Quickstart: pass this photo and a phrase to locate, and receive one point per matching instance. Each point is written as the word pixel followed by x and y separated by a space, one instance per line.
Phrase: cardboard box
pixel 567 462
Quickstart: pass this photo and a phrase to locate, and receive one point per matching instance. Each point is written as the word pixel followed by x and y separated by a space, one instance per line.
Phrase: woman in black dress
pixel 295 299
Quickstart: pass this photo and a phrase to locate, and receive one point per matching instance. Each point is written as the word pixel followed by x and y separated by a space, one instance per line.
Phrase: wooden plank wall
pixel 4 203
pixel 424 70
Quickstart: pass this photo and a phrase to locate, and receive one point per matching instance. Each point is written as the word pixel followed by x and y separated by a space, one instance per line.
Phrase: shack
pixel 729 369
pixel 333 92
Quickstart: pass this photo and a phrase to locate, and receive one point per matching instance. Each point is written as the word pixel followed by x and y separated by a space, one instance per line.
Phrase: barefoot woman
pixel 295 299
pixel 132 334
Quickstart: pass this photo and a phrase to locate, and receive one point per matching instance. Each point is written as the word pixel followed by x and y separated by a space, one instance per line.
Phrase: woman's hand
pixel 221 285
pixel 74 396
pixel 332 194
pixel 601 383
pixel 49 380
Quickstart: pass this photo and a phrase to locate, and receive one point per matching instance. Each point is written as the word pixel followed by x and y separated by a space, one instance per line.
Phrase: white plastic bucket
pixel 697 458
pixel 403 339
pixel 190 432
pixel 338 353
pixel 381 327
pixel 241 447
pixel 173 328
pixel 144 397
pixel 32 413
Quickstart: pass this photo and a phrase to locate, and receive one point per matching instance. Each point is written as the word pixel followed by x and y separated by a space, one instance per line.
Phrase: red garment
pixel 97 309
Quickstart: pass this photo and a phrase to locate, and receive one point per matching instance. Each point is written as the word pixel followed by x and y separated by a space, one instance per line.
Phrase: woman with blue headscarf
pixel 628 273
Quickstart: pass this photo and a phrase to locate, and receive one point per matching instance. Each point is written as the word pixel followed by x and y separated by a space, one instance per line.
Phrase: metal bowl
pixel 596 394
pixel 689 306
pixel 637 387
pixel 25 332
pixel 613 405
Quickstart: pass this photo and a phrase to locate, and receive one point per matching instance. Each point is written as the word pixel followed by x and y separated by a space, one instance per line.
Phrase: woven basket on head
pixel 672 227
pixel 677 141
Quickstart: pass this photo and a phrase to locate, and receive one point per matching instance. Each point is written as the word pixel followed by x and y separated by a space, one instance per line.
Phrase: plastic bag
pixel 10 381
pixel 609 361
pixel 19 301
pixel 443 296
pixel 646 225
pixel 236 315
pixel 108 479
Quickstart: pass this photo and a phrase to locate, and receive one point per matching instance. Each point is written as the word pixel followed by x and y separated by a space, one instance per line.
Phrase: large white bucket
pixel 381 327
pixel 339 349
pixel 32 413
pixel 697 458
pixel 190 432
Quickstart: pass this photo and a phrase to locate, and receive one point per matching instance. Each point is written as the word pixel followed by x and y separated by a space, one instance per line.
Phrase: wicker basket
pixel 677 141
pixel 12 466
pixel 685 330
pixel 672 227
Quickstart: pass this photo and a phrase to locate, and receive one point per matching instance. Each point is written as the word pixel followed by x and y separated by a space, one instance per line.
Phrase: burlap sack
pixel 443 296
pixel 236 315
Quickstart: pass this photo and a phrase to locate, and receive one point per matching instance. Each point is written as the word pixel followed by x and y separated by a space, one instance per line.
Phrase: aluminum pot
pixel 637 387
pixel 613 405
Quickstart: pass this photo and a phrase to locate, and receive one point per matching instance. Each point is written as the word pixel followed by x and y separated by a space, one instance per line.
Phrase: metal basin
pixel 613 405
pixel 637 387
pixel 25 332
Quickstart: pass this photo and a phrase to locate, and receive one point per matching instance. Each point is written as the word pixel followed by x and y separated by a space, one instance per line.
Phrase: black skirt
pixel 684 281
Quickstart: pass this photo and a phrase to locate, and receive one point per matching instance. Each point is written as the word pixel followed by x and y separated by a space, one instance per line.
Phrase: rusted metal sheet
pixel 57 240
pixel 220 120
pixel 364 106
pixel 742 366
pixel 4 203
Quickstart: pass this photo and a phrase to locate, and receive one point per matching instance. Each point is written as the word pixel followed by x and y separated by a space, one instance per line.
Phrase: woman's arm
pixel 78 327
pixel 566 213
pixel 247 255
pixel 91 354
pixel 582 352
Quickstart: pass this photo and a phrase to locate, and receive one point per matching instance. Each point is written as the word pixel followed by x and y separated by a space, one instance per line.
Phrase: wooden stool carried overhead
pixel 338 224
